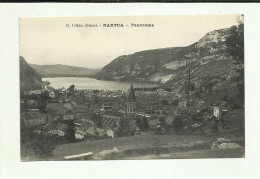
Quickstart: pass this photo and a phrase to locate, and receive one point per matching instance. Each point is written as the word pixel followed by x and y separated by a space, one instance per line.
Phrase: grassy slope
pixel 197 154
pixel 125 143
pixel 96 146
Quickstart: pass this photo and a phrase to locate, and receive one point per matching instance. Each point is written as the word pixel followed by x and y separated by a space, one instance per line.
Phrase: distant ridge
pixel 60 70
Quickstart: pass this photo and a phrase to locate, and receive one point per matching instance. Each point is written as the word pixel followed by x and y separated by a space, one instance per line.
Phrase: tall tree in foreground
pixel 177 124
pixel 145 124
pixel 235 50
pixel 70 132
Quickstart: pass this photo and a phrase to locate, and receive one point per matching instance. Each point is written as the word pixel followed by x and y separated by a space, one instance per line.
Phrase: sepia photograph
pixel 132 87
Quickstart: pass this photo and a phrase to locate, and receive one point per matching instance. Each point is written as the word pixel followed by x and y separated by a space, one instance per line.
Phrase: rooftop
pixel 113 113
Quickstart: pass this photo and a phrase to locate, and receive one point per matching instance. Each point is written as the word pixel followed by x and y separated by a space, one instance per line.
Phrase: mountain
pixel 59 70
pixel 169 65
pixel 29 78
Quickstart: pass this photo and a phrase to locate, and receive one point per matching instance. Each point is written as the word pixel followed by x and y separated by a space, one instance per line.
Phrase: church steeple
pixel 130 103
pixel 131 96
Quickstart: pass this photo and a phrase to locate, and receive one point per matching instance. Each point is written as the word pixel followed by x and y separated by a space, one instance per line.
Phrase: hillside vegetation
pixel 212 71
pixel 204 57
pixel 29 78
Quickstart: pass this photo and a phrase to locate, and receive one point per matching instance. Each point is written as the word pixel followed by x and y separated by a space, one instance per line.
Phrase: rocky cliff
pixel 204 58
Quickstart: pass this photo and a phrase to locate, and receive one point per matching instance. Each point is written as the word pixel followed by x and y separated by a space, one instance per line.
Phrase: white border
pixel 10 165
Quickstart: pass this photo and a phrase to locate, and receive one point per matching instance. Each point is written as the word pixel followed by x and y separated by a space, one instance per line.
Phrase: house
pixel 57 132
pixel 52 95
pixel 219 111
pixel 68 116
pixel 100 132
pixel 81 112
pixel 68 106
pixel 111 133
pixel 112 115
pixel 79 134
pixel 182 102
pixel 201 102
pixel 58 129
pixel 91 131
pixel 86 127
pixel 106 106
pixel 34 92
pixel 84 123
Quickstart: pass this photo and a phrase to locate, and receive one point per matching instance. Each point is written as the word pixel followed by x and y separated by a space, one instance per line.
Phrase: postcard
pixel 132 87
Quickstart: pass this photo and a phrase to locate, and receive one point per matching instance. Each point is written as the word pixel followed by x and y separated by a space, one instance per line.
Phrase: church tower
pixel 130 103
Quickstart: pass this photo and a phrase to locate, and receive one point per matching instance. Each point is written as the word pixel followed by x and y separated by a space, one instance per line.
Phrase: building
pixel 68 116
pixel 81 112
pixel 112 115
pixel 111 133
pixel 106 106
pixel 34 92
pixel 219 111
pixel 79 134
pixel 182 102
pixel 52 95
pixel 130 104
pixel 58 129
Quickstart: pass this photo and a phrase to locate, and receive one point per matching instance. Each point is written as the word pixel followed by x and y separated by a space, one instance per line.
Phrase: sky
pixel 46 41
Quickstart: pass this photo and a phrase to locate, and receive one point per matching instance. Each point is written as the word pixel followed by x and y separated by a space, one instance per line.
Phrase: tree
pixel 167 88
pixel 70 132
pixel 124 128
pixel 177 124
pixel 142 123
pixel 162 123
pixel 235 50
pixel 164 102
pixel 36 146
pixel 96 119
pixel 175 102
pixel 71 88
pixel 191 87
pixel 145 124
pixel 138 122
pixel 42 101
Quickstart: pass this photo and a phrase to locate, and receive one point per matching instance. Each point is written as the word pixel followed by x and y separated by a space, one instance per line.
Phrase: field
pixel 155 146
pixel 197 154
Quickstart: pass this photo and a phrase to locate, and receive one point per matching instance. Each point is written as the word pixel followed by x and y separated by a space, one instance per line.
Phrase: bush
pixel 36 146
pixel 177 124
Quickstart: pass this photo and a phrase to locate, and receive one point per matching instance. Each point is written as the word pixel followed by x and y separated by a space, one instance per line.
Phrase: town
pixel 73 115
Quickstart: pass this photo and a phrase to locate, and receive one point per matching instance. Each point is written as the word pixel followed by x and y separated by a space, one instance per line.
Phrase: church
pixel 130 104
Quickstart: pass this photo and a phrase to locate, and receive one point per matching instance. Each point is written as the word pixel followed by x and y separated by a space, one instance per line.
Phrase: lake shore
pixel 92 83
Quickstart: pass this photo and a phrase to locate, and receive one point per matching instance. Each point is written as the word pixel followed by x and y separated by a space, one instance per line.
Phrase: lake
pixel 91 83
